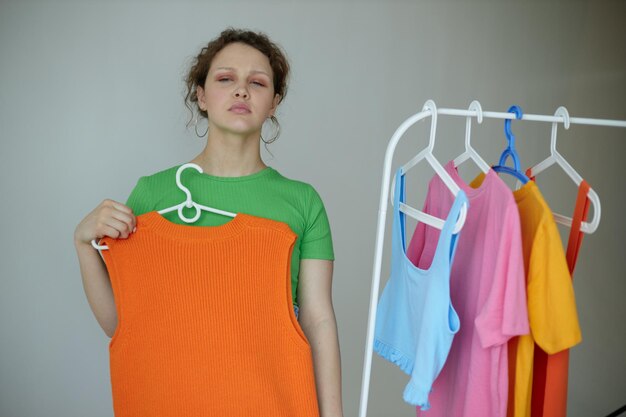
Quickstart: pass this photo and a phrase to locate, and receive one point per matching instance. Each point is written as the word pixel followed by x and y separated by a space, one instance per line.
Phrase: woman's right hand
pixel 109 218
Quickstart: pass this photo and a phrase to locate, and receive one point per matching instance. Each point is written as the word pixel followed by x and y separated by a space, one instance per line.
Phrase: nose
pixel 241 92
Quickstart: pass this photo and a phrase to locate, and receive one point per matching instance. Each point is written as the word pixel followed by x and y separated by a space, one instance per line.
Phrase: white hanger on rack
pixel 470 153
pixel 555 157
pixel 189 203
pixel 427 154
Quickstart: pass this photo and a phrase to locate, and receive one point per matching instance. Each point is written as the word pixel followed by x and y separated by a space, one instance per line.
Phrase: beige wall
pixel 90 99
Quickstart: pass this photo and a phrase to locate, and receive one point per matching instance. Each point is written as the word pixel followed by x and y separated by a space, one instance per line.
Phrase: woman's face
pixel 238 94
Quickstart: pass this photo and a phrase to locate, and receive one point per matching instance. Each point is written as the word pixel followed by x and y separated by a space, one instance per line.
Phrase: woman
pixel 236 82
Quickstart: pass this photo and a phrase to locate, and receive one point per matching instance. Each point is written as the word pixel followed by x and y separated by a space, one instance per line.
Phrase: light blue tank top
pixel 415 322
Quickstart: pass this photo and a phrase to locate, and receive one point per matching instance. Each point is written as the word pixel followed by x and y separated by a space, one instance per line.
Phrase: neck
pixel 230 155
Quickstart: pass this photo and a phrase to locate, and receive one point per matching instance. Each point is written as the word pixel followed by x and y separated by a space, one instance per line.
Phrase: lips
pixel 240 108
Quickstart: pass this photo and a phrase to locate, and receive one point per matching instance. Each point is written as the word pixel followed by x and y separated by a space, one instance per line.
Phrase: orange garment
pixel 549 396
pixel 205 321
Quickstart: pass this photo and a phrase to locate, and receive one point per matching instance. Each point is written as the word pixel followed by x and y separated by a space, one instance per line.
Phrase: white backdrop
pixel 91 98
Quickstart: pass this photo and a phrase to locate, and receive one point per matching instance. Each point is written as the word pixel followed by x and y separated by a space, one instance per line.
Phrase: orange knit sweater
pixel 205 322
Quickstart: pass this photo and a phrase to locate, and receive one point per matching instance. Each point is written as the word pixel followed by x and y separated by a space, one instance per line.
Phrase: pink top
pixel 487 289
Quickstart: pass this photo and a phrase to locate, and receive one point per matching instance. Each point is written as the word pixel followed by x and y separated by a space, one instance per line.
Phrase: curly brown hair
pixel 258 40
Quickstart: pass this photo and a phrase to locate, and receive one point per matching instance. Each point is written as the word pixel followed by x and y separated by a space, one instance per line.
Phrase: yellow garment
pixel 551 304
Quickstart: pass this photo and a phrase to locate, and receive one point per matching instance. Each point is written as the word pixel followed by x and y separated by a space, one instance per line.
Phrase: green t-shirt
pixel 264 194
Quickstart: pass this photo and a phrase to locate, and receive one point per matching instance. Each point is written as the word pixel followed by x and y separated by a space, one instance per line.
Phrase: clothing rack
pixel 428 110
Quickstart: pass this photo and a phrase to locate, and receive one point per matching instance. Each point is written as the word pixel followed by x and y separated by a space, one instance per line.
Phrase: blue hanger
pixel 510 150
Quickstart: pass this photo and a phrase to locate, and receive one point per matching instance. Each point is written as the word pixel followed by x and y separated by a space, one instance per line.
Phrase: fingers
pixel 117 220
pixel 119 206
pixel 109 218
pixel 109 231
pixel 127 219
pixel 116 228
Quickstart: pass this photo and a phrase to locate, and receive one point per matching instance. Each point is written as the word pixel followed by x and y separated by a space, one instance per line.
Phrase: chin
pixel 242 129
pixel 242 132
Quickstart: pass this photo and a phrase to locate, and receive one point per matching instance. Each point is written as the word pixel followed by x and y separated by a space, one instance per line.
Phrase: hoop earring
pixel 195 127
pixel 274 120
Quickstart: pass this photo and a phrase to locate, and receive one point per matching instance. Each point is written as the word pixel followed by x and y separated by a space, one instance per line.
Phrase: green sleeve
pixel 138 200
pixel 317 242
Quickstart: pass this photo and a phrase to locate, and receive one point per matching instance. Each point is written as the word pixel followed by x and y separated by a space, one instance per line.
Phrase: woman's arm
pixel 317 319
pixel 112 219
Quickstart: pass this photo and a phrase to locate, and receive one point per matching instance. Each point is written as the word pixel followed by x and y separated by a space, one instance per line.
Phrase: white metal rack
pixel 429 111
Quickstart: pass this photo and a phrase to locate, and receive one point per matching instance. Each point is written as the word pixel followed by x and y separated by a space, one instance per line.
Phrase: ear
pixel 275 104
pixel 201 98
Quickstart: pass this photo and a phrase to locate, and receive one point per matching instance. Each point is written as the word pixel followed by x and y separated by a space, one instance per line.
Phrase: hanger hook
pixel 510 149
pixel 475 106
pixel 562 112
pixel 432 107
pixel 507 123
pixel 188 201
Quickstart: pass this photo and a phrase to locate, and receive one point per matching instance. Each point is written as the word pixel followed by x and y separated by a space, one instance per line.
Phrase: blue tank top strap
pixel 399 218
pixel 399 189
pixel 449 239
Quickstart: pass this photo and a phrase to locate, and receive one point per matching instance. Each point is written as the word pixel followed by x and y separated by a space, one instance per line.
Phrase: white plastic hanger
pixel 555 157
pixel 427 154
pixel 470 153
pixel 187 203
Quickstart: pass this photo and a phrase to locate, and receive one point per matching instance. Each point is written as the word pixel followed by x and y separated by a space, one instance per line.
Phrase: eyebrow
pixel 253 71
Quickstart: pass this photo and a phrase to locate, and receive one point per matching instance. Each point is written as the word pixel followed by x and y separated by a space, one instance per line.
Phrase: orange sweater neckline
pixel 159 224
